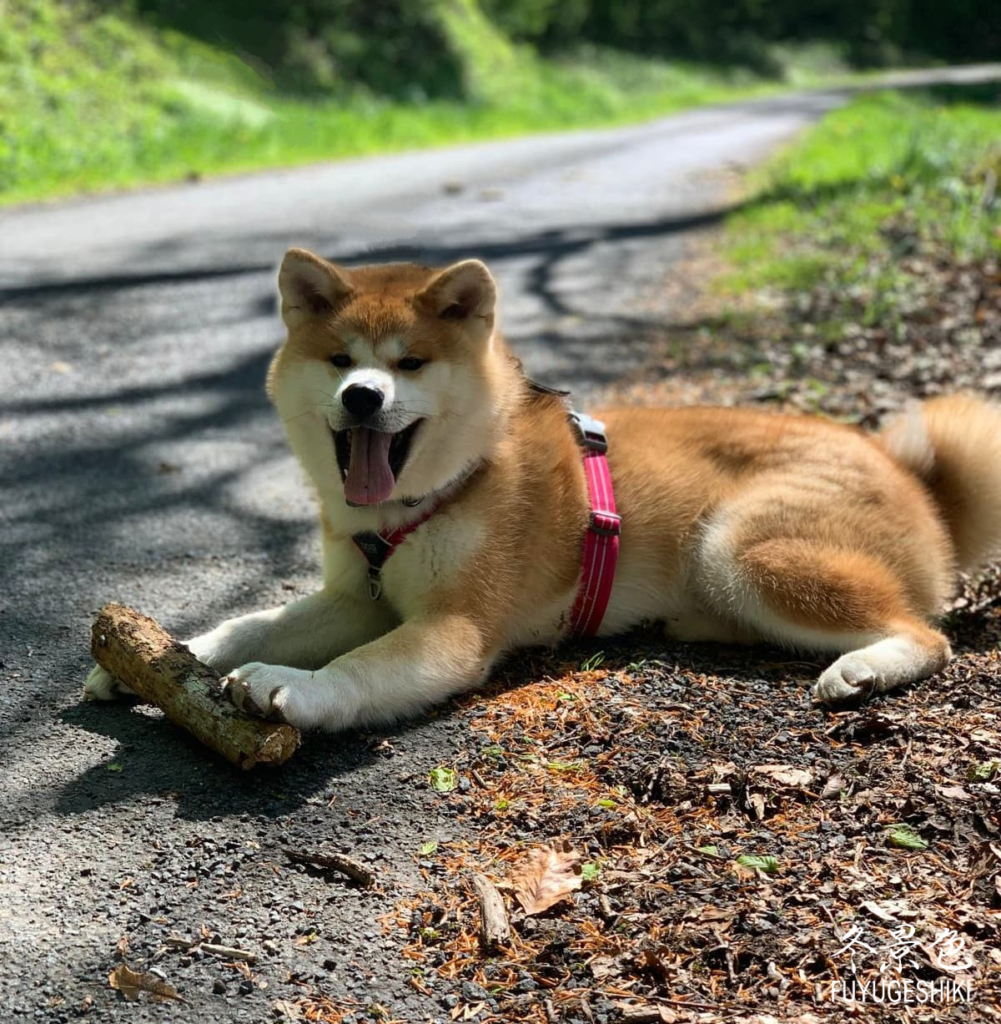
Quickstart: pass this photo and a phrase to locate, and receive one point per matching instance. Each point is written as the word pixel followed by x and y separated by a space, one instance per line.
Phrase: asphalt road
pixel 140 461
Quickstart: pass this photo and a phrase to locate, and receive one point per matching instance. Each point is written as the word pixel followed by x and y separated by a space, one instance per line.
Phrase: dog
pixel 412 418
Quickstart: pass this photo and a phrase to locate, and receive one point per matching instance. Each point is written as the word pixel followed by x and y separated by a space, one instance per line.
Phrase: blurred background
pixel 105 93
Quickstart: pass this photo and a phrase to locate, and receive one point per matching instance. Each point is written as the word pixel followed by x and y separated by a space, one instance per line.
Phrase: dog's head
pixel 388 374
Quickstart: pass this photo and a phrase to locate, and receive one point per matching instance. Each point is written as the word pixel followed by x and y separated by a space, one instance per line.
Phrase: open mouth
pixel 370 461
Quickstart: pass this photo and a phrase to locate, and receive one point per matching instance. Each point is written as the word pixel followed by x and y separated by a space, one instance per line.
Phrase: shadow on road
pixel 157 760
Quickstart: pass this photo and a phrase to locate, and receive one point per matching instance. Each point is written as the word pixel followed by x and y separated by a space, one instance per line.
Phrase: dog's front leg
pixel 305 633
pixel 416 665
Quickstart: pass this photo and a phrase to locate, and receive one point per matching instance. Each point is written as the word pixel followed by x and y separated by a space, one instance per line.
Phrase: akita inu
pixel 406 408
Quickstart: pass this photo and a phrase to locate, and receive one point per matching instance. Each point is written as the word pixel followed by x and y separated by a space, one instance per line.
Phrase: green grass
pixel 94 101
pixel 890 175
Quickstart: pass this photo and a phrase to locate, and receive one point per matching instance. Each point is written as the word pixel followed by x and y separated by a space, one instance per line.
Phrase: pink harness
pixel 601 542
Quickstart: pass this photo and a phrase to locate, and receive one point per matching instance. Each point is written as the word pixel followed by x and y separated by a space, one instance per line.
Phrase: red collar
pixel 601 542
pixel 377 547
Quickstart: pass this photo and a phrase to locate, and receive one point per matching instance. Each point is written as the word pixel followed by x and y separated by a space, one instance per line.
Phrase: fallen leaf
pixel 122 948
pixel 443 779
pixel 982 771
pixel 904 837
pixel 756 799
pixel 833 787
pixel 545 876
pixel 888 910
pixel 590 871
pixel 428 848
pixel 767 863
pixel 130 983
pixel 785 774
pixel 953 792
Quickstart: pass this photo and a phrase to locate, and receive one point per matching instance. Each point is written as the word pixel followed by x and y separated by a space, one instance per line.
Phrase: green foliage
pixel 873 182
pixel 91 101
pixel 97 94
pixel 871 32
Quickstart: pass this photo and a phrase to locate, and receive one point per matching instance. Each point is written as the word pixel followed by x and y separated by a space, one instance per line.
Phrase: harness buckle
pixel 590 432
pixel 605 524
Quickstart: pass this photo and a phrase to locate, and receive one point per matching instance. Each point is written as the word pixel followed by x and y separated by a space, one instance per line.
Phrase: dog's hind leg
pixel 803 594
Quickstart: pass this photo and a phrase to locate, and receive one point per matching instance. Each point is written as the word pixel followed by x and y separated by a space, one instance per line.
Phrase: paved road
pixel 140 461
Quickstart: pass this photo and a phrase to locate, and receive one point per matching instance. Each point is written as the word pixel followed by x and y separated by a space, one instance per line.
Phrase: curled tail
pixel 953 445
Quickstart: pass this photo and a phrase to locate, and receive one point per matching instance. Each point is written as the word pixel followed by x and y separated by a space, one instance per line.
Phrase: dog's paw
pixel 849 680
pixel 102 685
pixel 271 691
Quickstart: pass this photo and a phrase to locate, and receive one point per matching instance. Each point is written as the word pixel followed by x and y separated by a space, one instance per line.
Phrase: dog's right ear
pixel 310 286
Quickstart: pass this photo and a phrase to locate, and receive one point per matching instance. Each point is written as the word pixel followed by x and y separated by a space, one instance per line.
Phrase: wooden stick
pixel 354 869
pixel 228 952
pixel 162 671
pixel 495 930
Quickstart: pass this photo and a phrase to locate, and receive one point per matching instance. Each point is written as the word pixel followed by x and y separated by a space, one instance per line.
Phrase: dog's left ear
pixel 461 292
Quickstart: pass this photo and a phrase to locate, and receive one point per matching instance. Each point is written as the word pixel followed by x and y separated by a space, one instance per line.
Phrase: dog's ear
pixel 310 286
pixel 461 292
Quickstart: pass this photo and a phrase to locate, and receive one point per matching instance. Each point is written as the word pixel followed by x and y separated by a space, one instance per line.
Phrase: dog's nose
pixel 361 401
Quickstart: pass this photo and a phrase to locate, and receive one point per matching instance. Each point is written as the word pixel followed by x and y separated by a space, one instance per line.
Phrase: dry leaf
pixel 756 800
pixel 122 949
pixel 785 774
pixel 130 983
pixel 834 787
pixel 545 876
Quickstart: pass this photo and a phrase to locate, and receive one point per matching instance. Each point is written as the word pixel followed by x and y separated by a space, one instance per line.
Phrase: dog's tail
pixel 953 445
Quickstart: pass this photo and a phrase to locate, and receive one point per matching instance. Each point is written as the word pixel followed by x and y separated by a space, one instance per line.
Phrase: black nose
pixel 362 401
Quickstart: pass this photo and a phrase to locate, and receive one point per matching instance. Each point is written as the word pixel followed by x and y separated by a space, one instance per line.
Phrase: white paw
pixel 272 691
pixel 102 685
pixel 850 678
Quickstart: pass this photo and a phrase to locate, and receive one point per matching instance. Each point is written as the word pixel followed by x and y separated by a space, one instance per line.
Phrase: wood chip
pixel 495 930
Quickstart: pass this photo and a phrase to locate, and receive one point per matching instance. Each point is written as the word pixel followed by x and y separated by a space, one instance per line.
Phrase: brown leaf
pixel 785 774
pixel 130 983
pixel 545 876
pixel 834 787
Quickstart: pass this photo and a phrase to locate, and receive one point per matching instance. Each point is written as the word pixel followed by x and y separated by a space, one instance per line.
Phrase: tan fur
pixel 737 524
pixel 953 445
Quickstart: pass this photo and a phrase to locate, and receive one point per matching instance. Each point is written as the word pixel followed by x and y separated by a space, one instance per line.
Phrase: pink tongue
pixel 369 478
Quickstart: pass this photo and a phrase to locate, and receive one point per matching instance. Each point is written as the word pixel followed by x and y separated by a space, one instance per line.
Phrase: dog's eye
pixel 411 363
pixel 341 360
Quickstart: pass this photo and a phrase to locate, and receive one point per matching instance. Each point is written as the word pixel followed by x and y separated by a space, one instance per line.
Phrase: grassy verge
pixel 861 271
pixel 879 184
pixel 93 101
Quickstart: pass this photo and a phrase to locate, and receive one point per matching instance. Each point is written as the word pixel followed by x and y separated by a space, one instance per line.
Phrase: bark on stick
pixel 162 671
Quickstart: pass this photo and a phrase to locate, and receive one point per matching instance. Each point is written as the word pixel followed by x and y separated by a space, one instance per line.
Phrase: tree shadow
pixel 156 759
